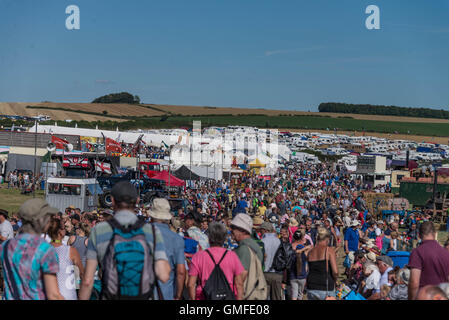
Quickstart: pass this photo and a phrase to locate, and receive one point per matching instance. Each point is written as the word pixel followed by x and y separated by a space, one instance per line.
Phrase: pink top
pixel 379 243
pixel 202 266
pixel 291 231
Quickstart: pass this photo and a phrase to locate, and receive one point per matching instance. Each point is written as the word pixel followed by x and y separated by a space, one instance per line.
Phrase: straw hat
pixel 257 221
pixel 371 256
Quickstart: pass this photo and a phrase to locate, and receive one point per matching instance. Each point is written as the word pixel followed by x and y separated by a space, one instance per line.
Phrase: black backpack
pixel 217 286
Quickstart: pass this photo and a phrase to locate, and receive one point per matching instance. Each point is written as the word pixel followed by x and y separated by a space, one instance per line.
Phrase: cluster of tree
pixel 336 107
pixel 122 97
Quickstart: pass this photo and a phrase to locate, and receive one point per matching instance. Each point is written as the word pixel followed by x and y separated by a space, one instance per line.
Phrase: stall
pixel 80 193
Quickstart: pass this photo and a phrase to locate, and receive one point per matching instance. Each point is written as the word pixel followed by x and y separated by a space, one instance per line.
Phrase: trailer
pixel 62 193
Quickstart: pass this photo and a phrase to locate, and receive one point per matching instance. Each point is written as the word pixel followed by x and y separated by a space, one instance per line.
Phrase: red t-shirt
pixel 202 267
pixel 433 261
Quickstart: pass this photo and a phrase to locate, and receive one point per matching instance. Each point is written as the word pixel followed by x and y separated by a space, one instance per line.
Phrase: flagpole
pixel 35 160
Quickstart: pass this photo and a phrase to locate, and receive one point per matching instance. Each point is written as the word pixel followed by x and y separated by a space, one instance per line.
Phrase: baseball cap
pixel 124 191
pixel 33 209
pixel 386 260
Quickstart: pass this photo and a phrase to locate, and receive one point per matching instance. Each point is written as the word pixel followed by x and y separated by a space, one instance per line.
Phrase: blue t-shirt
pixel 352 236
pixel 174 248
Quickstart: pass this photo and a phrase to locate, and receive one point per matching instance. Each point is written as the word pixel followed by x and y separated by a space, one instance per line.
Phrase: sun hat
pixel 371 256
pixel 33 209
pixel 404 274
pixel 385 259
pixel 160 209
pixel 355 223
pixel 257 221
pixel 267 226
pixel 243 221
pixel 176 223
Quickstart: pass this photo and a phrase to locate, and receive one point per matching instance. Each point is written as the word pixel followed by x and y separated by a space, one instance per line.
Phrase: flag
pixel 112 146
pixel 103 167
pixel 59 143
pixel 75 162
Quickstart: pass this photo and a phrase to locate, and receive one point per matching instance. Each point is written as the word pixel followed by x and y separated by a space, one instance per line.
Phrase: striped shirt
pixel 102 234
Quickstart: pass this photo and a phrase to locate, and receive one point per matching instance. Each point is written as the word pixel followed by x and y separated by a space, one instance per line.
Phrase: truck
pixel 149 168
pixel 148 188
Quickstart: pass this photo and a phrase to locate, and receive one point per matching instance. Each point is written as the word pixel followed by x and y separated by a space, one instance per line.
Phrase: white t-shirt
pixel 384 277
pixel 6 230
pixel 373 281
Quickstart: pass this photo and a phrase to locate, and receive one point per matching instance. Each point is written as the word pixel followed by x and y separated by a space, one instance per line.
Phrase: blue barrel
pixel 400 258
pixel 43 185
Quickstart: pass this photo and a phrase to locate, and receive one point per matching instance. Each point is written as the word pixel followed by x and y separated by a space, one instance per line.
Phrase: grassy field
pixel 11 199
pixel 312 122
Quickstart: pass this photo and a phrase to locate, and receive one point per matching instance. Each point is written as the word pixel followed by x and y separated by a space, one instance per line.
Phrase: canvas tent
pixel 163 175
pixel 184 173
pixel 257 164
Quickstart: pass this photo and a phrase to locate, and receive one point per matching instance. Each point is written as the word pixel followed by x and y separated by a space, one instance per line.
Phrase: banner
pixel 103 167
pixel 75 162
pixel 59 143
pixel 112 146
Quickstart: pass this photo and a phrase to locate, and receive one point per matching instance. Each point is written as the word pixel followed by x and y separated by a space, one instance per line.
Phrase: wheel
pixel 106 200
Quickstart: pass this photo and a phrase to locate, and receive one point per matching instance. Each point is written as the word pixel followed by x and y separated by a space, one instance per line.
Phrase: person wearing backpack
pixel 272 276
pixel 29 263
pixel 216 273
pixel 130 253
pixel 251 257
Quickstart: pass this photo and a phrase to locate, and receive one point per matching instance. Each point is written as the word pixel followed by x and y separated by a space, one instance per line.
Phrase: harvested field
pixel 112 109
pixel 249 116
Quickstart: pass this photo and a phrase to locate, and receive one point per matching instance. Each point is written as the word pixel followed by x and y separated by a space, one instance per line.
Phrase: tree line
pixel 122 97
pixel 336 107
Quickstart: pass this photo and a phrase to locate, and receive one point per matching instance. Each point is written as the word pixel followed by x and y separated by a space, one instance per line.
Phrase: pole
pixel 35 160
pixel 96 172
pixel 190 145
pixel 169 171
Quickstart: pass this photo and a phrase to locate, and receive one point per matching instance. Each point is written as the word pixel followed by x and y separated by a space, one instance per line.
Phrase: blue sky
pixel 288 54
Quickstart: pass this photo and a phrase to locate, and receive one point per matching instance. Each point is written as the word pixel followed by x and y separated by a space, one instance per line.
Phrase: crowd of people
pixel 305 234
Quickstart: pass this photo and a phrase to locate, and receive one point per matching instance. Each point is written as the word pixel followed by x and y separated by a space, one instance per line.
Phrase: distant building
pixel 373 170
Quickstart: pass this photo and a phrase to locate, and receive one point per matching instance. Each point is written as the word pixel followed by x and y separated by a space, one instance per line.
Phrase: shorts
pixel 297 288
pixel 351 257
pixel 319 294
